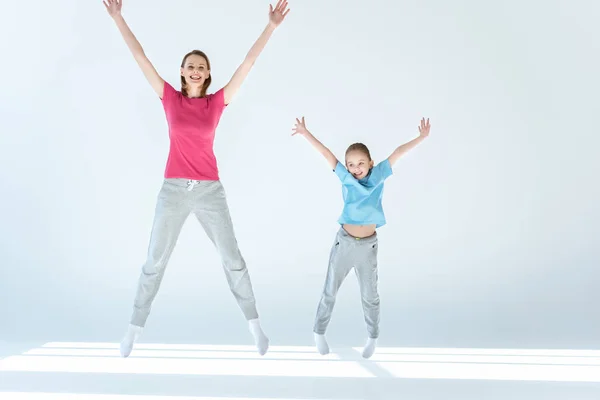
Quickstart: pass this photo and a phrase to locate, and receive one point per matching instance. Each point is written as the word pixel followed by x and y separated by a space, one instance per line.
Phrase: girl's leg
pixel 339 267
pixel 366 272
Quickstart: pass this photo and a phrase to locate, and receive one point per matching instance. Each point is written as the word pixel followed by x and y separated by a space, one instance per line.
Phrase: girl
pixel 356 243
pixel 191 181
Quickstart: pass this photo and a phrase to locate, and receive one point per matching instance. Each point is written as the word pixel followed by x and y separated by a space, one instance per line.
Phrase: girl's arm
pixel 114 9
pixel 276 16
pixel 401 150
pixel 301 130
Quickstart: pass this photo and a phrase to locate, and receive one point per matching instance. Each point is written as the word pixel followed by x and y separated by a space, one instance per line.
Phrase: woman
pixel 191 176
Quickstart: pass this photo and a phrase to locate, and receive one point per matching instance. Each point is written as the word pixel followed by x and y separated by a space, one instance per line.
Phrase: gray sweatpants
pixel 361 254
pixel 176 200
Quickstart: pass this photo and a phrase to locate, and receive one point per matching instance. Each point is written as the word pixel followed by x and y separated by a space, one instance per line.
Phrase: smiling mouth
pixel 195 78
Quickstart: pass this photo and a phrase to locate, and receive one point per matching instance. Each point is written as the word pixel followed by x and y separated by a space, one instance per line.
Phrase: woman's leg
pixel 172 209
pixel 212 212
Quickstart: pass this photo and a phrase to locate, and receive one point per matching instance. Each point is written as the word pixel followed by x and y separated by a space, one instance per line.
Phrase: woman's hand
pixel 113 7
pixel 277 14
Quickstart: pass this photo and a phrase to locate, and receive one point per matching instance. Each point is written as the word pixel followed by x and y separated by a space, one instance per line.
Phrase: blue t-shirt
pixel 363 197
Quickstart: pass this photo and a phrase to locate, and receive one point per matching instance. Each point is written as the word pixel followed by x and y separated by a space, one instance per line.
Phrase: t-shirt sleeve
pixel 382 171
pixel 341 171
pixel 169 93
pixel 217 99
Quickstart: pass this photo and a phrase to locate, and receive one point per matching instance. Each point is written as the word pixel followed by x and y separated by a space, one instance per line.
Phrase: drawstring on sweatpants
pixel 190 184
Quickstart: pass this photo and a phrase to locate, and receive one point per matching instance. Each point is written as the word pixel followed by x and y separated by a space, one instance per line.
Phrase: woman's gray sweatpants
pixel 361 254
pixel 176 200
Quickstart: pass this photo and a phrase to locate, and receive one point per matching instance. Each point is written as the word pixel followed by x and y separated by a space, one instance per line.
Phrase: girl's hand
pixel 300 127
pixel 113 7
pixel 424 128
pixel 277 15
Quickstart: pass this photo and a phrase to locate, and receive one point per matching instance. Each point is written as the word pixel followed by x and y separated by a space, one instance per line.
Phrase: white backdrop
pixel 492 235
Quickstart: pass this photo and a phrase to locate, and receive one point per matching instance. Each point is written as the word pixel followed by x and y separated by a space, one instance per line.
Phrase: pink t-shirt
pixel 192 124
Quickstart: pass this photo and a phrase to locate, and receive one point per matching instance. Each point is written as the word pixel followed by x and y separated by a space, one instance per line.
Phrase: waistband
pixel 345 236
pixel 189 183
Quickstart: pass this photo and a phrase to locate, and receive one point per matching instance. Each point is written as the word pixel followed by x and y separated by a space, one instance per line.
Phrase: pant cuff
pixel 138 320
pixel 250 313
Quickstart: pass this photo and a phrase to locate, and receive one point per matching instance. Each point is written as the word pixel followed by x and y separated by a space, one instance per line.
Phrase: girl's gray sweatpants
pixel 361 254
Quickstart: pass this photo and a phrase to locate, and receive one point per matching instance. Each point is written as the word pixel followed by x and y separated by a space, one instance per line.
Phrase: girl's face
pixel 358 164
pixel 195 70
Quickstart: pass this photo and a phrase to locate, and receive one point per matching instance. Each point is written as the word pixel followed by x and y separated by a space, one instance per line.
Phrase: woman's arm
pixel 276 16
pixel 401 150
pixel 114 9
pixel 300 129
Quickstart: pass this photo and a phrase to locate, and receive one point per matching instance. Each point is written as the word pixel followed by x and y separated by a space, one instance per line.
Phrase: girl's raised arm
pixel 300 129
pixel 401 150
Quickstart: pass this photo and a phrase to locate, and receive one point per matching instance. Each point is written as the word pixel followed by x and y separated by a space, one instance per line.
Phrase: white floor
pixel 94 371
